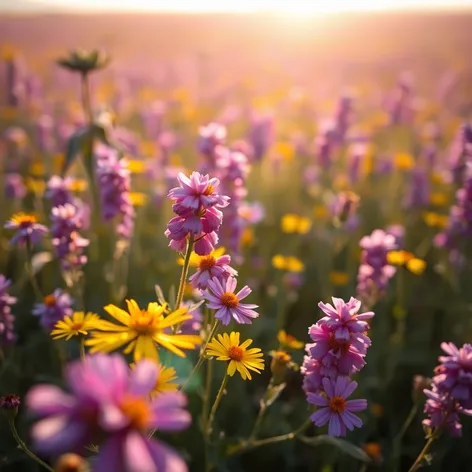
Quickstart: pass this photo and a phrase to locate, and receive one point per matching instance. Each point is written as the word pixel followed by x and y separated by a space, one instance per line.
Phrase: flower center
pixel 337 404
pixel 137 410
pixel 77 326
pixel 26 220
pixel 50 300
pixel 236 353
pixel 229 300
pixel 145 323
pixel 206 262
pixel 209 190
pixel 335 344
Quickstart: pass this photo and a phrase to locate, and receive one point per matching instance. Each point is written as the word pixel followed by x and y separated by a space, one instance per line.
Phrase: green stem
pixel 82 347
pixel 86 97
pixel 207 393
pixel 258 423
pixel 417 464
pixel 275 439
pixel 29 271
pixel 201 358
pixel 183 275
pixel 397 442
pixel 219 396
pixel 24 448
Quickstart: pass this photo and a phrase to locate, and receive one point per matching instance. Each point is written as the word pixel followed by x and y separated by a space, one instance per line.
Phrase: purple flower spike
pixel 334 408
pixel 7 335
pixel 111 406
pixel 221 297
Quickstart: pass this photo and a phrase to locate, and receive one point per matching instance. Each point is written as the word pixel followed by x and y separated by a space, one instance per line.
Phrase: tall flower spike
pixel 7 334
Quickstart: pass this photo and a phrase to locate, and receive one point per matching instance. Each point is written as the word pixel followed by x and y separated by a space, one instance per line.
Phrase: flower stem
pixel 397 441
pixel 183 275
pixel 82 347
pixel 219 396
pixel 201 359
pixel 251 444
pixel 29 271
pixel 417 464
pixel 86 100
pixel 24 448
pixel 207 393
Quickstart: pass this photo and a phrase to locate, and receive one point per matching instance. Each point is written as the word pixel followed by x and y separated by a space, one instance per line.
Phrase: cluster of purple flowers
pixel 109 405
pixel 54 308
pixel 114 182
pixel 338 350
pixel 400 105
pixel 460 152
pixel 7 334
pixel 374 271
pixel 451 390
pixel 459 226
pixel 197 205
pixel 15 188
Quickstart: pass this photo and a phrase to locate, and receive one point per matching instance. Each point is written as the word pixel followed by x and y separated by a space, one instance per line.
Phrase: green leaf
pixel 344 446
pixel 74 147
pixel 160 295
pixel 271 395
pixel 194 306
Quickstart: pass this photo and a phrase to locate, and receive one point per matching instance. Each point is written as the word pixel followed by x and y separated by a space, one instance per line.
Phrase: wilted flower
pixel 54 308
pixel 221 297
pixel 28 230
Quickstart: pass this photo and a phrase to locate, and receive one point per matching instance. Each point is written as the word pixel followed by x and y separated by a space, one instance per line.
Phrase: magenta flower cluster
pixel 114 182
pixel 7 320
pixel 374 271
pixel 197 206
pixel 109 405
pixel 338 350
pixel 451 390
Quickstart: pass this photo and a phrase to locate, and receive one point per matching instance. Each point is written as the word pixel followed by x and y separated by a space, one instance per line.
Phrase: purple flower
pixel 334 408
pixel 54 308
pixel 312 376
pixel 115 184
pixel 28 230
pixel 221 297
pixel 212 266
pixel 110 405
pixel 261 134
pixel 194 324
pixel 345 206
pixel 209 137
pixel 419 191
pixel 7 335
pixel 10 402
pixel 14 186
pixel 59 190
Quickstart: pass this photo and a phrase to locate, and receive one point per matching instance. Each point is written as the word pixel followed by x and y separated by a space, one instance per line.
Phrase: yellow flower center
pixel 137 410
pixel 209 190
pixel 337 404
pixel 146 323
pixel 229 300
pixel 206 262
pixel 236 353
pixel 77 326
pixel 50 300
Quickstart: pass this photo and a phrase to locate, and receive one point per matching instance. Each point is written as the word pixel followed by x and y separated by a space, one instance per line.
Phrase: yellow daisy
pixel 241 359
pixel 289 341
pixel 141 331
pixel 79 324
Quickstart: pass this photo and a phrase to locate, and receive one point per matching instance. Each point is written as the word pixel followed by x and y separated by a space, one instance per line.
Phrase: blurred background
pixel 274 74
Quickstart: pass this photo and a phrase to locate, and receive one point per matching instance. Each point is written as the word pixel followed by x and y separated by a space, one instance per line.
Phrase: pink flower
pixel 212 266
pixel 221 297
pixel 335 409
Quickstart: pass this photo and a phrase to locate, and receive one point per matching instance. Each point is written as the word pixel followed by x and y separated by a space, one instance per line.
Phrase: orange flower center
pixel 77 326
pixel 206 262
pixel 236 353
pixel 335 344
pixel 145 323
pixel 229 300
pixel 337 404
pixel 137 410
pixel 50 300
pixel 209 190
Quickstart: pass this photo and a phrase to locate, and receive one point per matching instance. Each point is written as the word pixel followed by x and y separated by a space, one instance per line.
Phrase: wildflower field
pixel 235 244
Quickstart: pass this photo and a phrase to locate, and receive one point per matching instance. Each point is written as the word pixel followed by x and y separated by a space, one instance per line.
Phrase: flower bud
pixel 9 405
pixel 280 364
pixel 71 463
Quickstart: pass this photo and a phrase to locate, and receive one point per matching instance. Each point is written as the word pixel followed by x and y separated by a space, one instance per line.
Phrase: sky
pixel 282 6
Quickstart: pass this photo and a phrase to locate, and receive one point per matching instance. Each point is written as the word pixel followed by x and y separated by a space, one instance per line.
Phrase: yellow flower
pixel 289 341
pixel 35 185
pixel 22 218
pixel 435 219
pixel 141 331
pixel 415 265
pixel 165 378
pixel 289 263
pixel 292 223
pixel 138 198
pixel 399 258
pixel 77 324
pixel 78 185
pixel 438 199
pixel 285 149
pixel 198 261
pixel 278 262
pixel 247 238
pixel 136 167
pixel 338 278
pixel 241 359
pixel 404 161
pixel 148 148
pixel 37 169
